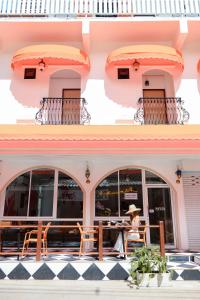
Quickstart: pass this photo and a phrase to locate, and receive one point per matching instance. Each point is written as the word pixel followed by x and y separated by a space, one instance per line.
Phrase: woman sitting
pixel 133 233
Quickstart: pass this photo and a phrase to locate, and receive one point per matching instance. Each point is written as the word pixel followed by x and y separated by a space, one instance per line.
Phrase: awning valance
pixel 146 55
pixel 50 55
pixel 198 66
pixel 100 140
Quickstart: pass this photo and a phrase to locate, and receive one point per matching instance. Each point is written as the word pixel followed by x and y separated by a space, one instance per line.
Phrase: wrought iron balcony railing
pixel 104 8
pixel 161 111
pixel 63 111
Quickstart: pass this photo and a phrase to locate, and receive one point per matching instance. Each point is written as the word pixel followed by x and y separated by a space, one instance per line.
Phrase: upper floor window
pixel 29 73
pixel 123 73
pixel 34 193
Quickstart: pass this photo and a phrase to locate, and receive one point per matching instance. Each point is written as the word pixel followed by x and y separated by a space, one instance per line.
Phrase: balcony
pixel 63 111
pixel 153 111
pixel 99 8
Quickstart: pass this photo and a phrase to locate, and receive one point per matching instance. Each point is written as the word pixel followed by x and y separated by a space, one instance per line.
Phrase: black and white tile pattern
pixel 69 267
pixel 64 271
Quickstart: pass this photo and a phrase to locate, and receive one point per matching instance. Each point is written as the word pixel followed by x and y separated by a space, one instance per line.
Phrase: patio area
pixel 64 262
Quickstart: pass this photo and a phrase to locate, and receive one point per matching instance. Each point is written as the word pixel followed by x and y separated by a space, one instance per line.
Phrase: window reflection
pixel 70 198
pixel 107 196
pixel 16 201
pixel 130 183
pixel 153 178
pixel 117 191
pixel 32 194
pixel 41 196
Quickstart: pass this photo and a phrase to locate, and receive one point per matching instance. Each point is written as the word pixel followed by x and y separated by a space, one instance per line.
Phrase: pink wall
pixel 110 100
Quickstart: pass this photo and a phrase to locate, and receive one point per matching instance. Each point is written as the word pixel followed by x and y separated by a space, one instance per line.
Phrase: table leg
pixel 18 242
pixel 1 240
pixel 123 242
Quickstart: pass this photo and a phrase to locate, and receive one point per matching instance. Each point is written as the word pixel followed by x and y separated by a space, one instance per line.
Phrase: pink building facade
pixel 100 106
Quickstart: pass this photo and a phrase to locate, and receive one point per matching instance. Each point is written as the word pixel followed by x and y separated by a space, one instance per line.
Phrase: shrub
pixel 147 260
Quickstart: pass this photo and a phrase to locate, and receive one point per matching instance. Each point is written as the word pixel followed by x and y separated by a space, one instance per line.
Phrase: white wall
pixel 159 80
pixel 57 85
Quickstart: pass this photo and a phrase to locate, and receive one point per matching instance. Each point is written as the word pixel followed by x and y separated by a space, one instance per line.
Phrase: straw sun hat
pixel 132 208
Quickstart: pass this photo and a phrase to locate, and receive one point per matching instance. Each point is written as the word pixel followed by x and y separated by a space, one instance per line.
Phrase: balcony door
pixel 154 105
pixel 71 106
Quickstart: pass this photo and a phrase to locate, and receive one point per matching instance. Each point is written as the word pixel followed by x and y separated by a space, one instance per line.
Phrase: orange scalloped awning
pixel 146 55
pixel 198 66
pixel 51 55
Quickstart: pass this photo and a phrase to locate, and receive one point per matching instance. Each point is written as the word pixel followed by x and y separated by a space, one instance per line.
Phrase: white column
pixel 181 222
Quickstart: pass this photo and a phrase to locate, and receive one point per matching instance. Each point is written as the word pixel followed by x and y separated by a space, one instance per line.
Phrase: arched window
pixel 43 193
pixel 143 188
pixel 117 191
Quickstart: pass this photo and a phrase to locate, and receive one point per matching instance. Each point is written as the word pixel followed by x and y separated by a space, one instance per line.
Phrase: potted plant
pixel 149 268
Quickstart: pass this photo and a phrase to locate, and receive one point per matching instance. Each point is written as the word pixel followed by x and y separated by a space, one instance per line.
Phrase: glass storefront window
pixel 41 195
pixel 130 183
pixel 153 178
pixel 32 194
pixel 70 198
pixel 17 193
pixel 107 196
pixel 125 187
pixel 117 191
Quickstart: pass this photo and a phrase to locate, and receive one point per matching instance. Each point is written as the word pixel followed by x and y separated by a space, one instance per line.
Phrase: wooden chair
pixel 86 236
pixel 142 238
pixel 31 237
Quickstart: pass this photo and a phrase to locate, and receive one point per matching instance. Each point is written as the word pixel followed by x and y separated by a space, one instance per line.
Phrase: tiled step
pixel 197 259
pixel 183 266
pixel 180 257
pixel 186 274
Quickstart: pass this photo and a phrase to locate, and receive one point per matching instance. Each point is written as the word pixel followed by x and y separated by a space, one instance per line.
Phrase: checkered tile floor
pixel 73 267
pixel 179 261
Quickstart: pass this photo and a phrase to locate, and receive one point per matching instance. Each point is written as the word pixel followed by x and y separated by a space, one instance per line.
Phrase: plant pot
pixel 154 279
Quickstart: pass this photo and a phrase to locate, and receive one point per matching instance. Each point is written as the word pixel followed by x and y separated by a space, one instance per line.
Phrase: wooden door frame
pixel 154 90
pixel 63 90
pixel 70 90
pixel 163 90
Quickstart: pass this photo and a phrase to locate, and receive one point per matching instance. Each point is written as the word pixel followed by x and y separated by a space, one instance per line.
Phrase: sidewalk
pixel 87 290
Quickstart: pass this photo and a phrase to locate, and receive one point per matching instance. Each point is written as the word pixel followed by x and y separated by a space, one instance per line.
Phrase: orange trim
pixel 51 55
pixel 99 132
pixel 101 147
pixel 58 139
pixel 147 55
pixel 198 66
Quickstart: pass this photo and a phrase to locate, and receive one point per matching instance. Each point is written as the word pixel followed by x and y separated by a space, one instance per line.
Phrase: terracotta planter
pixel 154 279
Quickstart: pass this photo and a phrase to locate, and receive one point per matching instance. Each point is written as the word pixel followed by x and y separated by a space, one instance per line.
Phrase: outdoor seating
pixel 86 235
pixel 140 240
pixel 31 237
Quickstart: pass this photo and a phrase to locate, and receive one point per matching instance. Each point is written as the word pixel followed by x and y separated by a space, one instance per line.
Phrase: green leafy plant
pixel 147 260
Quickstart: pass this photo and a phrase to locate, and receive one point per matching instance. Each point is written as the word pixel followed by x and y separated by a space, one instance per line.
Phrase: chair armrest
pixel 32 232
